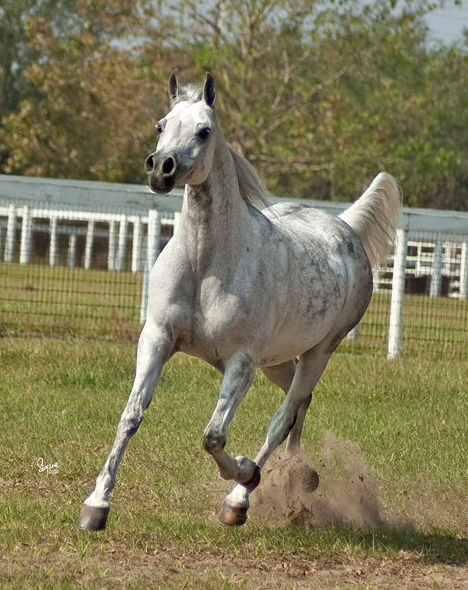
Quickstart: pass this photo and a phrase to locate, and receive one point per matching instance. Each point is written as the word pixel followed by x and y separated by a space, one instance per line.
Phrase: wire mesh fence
pixel 77 268
pixel 435 304
pixel 85 291
pixel 75 258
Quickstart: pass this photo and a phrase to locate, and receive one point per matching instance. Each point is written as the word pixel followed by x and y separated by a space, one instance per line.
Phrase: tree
pixel 17 52
pixel 91 118
pixel 318 95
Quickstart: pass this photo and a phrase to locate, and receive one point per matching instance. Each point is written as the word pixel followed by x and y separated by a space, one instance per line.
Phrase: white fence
pixel 431 244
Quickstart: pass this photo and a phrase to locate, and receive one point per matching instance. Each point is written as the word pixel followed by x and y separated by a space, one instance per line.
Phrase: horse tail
pixel 374 217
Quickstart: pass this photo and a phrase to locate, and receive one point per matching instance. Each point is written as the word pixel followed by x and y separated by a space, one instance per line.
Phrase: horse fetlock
pixel 213 441
pixel 248 472
pixel 225 473
pixel 253 482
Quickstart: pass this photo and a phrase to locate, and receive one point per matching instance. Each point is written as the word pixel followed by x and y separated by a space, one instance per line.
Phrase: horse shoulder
pixel 171 288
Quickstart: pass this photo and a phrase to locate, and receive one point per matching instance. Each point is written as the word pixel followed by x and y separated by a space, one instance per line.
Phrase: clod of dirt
pixel 346 492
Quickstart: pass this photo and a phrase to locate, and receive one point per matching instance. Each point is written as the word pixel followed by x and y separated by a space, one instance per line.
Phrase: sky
pixel 447 23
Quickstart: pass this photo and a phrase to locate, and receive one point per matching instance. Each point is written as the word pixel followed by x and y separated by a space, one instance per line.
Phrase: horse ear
pixel 209 90
pixel 173 86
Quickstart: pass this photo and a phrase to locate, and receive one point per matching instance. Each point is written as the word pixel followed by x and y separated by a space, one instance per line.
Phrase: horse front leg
pixel 238 377
pixel 304 378
pixel 154 349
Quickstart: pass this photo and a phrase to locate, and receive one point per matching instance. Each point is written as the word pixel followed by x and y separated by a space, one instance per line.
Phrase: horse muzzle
pixel 161 171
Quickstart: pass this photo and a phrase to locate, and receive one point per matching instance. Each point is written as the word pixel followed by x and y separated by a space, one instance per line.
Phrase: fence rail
pixel 52 231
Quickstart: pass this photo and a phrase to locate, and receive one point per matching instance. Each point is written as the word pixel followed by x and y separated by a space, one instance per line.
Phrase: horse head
pixel 184 153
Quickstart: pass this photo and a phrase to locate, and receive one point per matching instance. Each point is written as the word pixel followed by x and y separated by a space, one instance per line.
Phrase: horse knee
pixel 131 425
pixel 213 441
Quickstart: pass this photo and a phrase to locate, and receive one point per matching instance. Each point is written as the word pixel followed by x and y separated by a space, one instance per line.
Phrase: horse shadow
pixel 435 547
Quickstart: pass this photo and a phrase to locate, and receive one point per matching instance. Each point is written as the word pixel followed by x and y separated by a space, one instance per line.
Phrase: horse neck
pixel 214 214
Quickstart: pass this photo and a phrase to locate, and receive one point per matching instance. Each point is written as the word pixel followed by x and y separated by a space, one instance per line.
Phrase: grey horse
pixel 243 285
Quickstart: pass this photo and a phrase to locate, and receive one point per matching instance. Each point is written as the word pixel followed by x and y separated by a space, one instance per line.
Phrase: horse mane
pixel 251 188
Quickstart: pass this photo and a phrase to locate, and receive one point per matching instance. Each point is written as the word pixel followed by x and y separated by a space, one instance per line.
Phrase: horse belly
pixel 297 336
pixel 218 332
pixel 321 305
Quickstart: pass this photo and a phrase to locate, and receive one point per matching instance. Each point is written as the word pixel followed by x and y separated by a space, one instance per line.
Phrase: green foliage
pixel 318 95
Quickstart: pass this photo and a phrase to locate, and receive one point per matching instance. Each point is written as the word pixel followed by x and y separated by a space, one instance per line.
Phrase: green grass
pixel 58 301
pixel 62 400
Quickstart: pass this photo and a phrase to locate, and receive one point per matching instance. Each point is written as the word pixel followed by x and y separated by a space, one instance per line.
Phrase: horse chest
pixel 216 324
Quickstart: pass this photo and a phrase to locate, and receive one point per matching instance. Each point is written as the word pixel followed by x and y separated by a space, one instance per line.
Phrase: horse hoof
pixel 253 482
pixel 233 514
pixel 92 518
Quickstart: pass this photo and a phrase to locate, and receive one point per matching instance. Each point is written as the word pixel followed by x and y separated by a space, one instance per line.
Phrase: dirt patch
pixel 116 566
pixel 346 493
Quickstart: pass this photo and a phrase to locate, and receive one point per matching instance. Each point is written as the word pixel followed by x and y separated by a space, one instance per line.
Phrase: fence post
pixel 53 241
pixel 136 247
pixel 154 237
pixel 25 247
pixel 353 333
pixel 120 263
pixel 89 244
pixel 152 242
pixel 177 215
pixel 10 236
pixel 376 279
pixel 144 294
pixel 111 246
pixel 72 251
pixel 436 277
pixel 398 288
pixel 464 272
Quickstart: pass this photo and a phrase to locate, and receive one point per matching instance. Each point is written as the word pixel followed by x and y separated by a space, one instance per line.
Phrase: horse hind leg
pixel 294 438
pixel 282 375
pixel 288 420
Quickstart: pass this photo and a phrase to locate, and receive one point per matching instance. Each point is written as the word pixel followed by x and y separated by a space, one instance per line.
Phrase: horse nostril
pixel 168 166
pixel 149 164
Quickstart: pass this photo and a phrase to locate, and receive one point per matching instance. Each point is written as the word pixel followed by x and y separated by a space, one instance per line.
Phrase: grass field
pixel 403 422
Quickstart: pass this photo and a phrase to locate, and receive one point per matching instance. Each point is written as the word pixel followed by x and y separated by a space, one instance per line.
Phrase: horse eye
pixel 159 128
pixel 203 133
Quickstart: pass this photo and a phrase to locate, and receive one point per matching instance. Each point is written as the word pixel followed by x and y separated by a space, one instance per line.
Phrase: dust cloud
pixel 346 493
